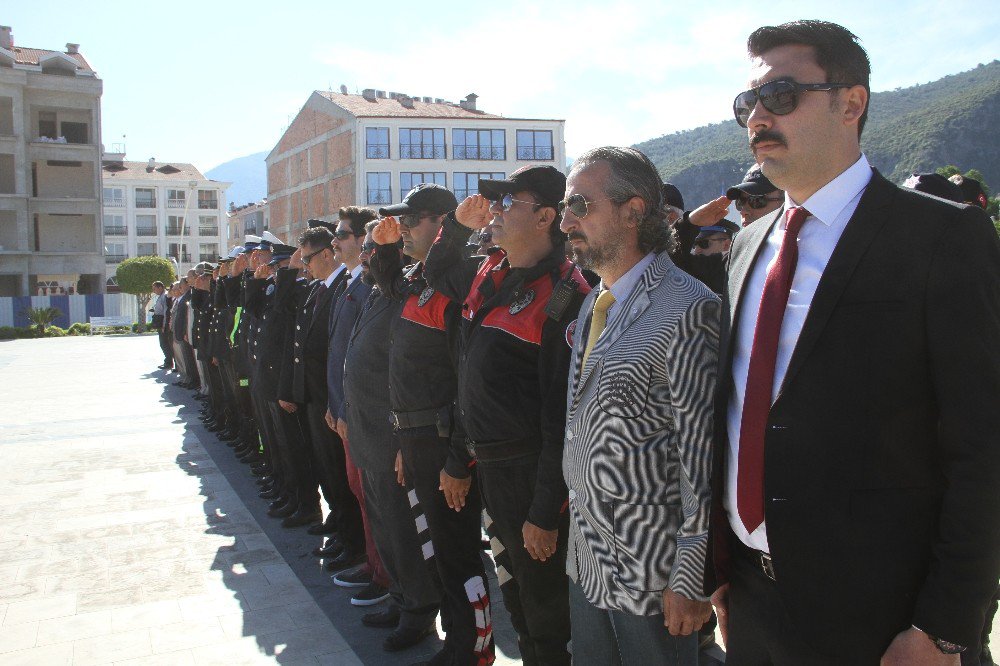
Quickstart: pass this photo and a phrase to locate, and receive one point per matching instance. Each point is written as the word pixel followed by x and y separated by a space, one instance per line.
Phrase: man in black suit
pixel 311 342
pixel 857 422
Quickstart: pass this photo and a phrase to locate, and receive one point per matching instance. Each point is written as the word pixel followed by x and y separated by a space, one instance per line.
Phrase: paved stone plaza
pixel 130 535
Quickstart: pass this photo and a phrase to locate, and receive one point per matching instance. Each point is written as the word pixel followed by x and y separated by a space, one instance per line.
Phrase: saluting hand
pixel 474 212
pixel 240 263
pixel 387 232
pixel 296 260
pixel 262 272
pixel 708 214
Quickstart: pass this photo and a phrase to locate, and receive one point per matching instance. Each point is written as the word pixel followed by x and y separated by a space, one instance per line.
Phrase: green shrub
pixel 79 328
pixel 54 332
pixel 17 332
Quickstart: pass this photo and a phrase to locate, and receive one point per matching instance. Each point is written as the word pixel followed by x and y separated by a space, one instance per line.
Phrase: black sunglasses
pixel 780 97
pixel 578 205
pixel 369 247
pixel 507 202
pixel 755 201
pixel 344 234
pixel 413 220
pixel 306 258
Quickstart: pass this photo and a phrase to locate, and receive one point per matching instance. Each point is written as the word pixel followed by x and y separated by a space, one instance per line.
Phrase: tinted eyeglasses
pixel 507 201
pixel 344 234
pixel 306 258
pixel 780 97
pixel 369 247
pixel 578 205
pixel 411 221
pixel 705 243
pixel 754 201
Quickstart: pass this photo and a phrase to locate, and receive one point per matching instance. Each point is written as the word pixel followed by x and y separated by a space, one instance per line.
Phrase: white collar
pixel 829 201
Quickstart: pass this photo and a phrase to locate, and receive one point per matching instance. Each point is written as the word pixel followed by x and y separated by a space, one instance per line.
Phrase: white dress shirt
pixel 353 275
pixel 830 208
pixel 624 286
pixel 333 276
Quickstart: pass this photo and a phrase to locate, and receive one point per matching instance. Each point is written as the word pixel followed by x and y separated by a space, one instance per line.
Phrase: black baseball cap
pixel 754 184
pixel 426 196
pixel 972 190
pixel 546 182
pixel 280 252
pixel 935 184
pixel 672 196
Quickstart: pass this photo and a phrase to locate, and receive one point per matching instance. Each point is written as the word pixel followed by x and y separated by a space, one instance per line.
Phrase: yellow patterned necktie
pixel 598 321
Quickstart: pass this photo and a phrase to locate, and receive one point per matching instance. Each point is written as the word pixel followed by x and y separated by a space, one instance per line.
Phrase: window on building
pixel 114 253
pixel 75 132
pixel 410 179
pixel 421 144
pixel 208 199
pixel 178 252
pixel 208 225
pixel 145 197
pixel 145 225
pixel 379 187
pixel 467 183
pixel 208 252
pixel 377 143
pixel 114 196
pixel 114 225
pixel 146 250
pixel 176 198
pixel 479 144
pixel 175 226
pixel 534 145
pixel 111 285
pixel 47 124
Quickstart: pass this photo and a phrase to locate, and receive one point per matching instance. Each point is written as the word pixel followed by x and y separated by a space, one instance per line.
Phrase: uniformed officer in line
pixel 423 358
pixel 519 307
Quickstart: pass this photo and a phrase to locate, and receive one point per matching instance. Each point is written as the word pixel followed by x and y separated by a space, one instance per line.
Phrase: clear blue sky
pixel 205 82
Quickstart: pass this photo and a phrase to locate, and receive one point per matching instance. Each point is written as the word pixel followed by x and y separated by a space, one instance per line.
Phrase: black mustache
pixel 576 235
pixel 767 135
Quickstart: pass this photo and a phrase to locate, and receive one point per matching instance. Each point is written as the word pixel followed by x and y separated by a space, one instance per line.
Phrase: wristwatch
pixel 943 645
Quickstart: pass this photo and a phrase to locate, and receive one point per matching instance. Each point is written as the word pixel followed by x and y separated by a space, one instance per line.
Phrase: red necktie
pixel 760 377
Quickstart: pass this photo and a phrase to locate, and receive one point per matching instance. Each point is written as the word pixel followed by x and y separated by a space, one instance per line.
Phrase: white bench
pixel 108 322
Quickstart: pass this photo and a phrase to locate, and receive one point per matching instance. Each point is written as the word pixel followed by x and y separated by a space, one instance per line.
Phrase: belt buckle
pixel 766 564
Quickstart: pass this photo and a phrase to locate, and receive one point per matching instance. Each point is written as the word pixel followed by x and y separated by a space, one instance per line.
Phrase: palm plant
pixel 41 317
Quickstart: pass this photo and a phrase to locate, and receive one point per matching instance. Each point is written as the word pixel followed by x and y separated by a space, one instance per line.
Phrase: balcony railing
pixel 379 196
pixel 213 257
pixel 116 231
pixel 208 204
pixel 480 153
pixel 145 231
pixel 417 151
pixel 185 258
pixel 176 230
pixel 378 151
pixel 145 203
pixel 115 258
pixel 175 203
pixel 534 152
pixel 114 203
pixel 208 231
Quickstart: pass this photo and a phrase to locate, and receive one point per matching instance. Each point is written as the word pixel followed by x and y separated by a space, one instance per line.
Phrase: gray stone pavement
pixel 130 535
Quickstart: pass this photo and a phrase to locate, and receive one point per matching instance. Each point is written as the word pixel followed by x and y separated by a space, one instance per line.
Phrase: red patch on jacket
pixel 430 314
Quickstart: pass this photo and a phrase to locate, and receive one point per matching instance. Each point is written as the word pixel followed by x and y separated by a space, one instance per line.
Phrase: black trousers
pixel 762 632
pixel 165 339
pixel 331 469
pixel 390 515
pixel 455 549
pixel 297 474
pixel 535 593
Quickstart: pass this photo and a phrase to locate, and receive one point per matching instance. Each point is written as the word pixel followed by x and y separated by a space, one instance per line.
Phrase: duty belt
pixel 503 450
pixel 406 420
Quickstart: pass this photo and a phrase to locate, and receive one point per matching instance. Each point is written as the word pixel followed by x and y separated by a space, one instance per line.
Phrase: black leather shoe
pixel 229 436
pixel 215 427
pixel 332 548
pixel 278 503
pixel 326 528
pixel 258 470
pixel 345 560
pixel 401 638
pixel 385 619
pixel 284 510
pixel 302 517
pixel 270 493
pixel 250 457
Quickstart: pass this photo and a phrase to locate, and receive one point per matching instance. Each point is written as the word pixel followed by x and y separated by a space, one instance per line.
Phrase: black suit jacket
pixel 312 338
pixel 882 453
pixel 343 314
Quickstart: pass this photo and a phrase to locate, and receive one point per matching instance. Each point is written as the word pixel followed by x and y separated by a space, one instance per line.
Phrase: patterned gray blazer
pixel 638 448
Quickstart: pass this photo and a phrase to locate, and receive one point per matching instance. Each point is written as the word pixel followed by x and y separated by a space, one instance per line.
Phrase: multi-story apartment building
pixel 252 218
pixel 166 209
pixel 371 149
pixel 50 175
